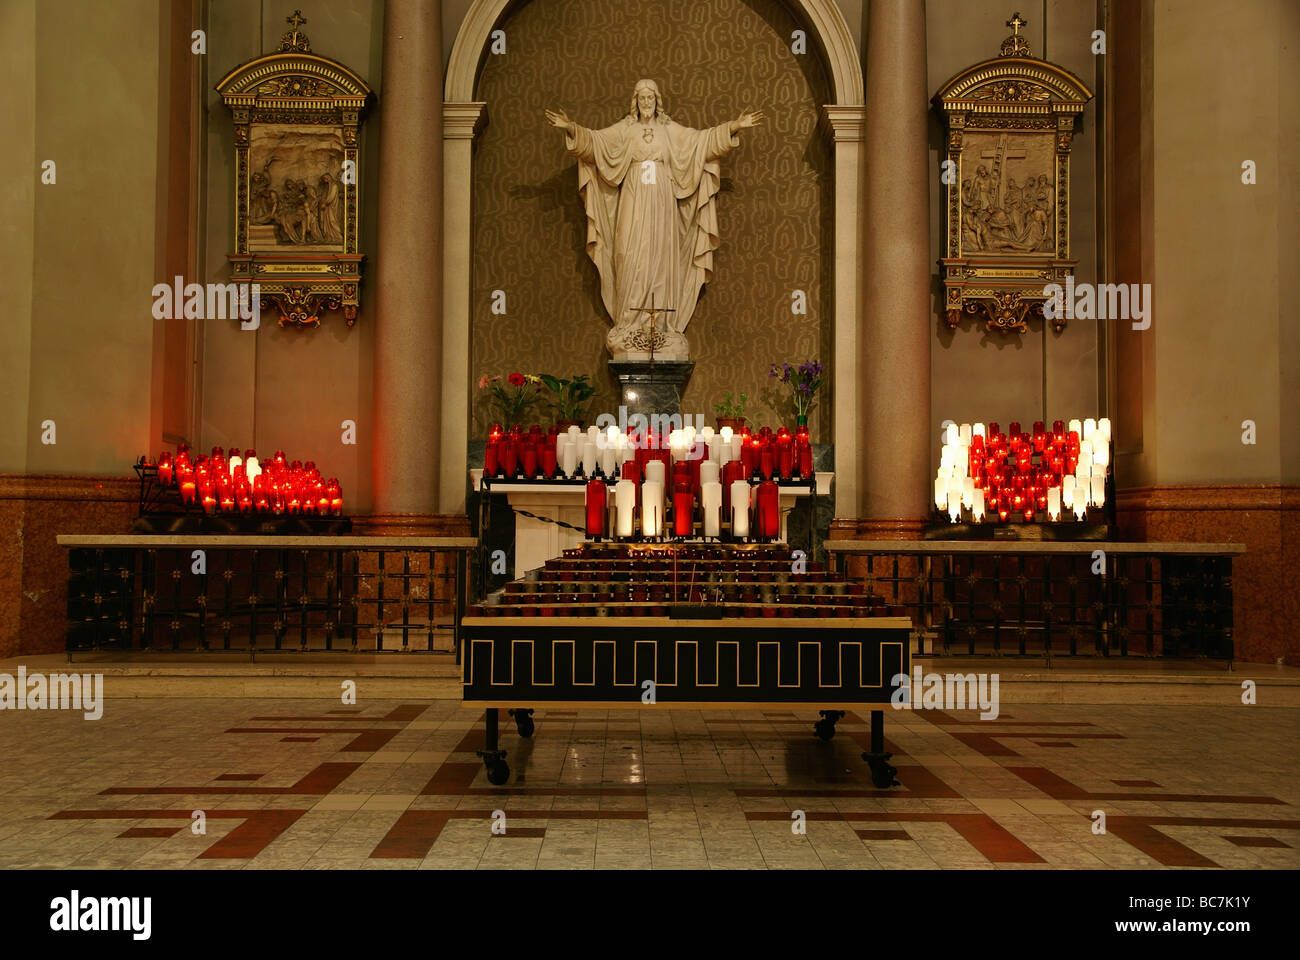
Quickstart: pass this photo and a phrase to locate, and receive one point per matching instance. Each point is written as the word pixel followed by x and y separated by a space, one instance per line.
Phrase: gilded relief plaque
pixel 297 117
pixel 1008 124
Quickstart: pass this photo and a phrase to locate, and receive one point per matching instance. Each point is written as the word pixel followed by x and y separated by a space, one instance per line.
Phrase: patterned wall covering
pixel 711 60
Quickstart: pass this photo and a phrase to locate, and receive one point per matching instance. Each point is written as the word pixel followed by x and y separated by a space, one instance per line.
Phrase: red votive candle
pixel 749 453
pixel 597 499
pixel 530 458
pixel 548 459
pixel 803 452
pixel 335 494
pixel 683 513
pixel 492 458
pixel 765 463
pixel 510 455
pixel 769 509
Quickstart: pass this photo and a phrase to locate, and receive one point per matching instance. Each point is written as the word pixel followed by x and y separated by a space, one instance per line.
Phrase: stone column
pixel 408 271
pixel 894 351
pixel 461 124
pixel 845 126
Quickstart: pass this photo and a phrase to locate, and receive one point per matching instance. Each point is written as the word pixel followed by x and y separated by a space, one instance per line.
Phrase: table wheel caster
pixel 524 722
pixel 825 727
pixel 494 762
pixel 882 771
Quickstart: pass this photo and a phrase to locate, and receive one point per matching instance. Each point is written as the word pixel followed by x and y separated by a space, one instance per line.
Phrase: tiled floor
pixel 309 784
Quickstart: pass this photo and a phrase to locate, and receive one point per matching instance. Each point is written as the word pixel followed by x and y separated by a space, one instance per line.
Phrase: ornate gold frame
pixel 1036 103
pixel 295 88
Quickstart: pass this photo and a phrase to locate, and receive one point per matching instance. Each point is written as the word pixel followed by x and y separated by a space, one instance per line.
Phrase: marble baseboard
pixel 34 510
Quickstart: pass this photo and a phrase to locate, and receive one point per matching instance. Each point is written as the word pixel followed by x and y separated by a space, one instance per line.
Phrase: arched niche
pixel 463 116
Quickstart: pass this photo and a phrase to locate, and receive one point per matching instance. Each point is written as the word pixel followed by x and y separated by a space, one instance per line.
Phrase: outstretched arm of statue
pixel 560 120
pixel 746 120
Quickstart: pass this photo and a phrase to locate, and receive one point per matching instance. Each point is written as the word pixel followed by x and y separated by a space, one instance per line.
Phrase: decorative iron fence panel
pixel 254 594
pixel 1055 599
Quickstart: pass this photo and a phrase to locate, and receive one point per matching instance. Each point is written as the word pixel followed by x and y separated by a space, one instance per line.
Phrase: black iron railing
pixel 256 593
pixel 1054 599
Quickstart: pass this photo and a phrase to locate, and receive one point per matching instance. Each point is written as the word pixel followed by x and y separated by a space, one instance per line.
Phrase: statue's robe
pixel 652 222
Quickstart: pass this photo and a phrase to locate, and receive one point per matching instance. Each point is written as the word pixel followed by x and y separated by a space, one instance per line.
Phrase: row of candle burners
pixel 693 594
pixel 661 610
pixel 803 587
pixel 822 582
pixel 627 553
pixel 613 567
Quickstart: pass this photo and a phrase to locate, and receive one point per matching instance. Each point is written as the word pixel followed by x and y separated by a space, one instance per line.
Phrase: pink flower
pixel 483 381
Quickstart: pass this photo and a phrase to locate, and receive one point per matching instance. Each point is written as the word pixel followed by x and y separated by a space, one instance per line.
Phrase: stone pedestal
pixel 652 388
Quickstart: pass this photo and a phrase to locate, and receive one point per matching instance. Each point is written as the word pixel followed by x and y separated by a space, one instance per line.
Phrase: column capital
pixel 844 124
pixel 463 121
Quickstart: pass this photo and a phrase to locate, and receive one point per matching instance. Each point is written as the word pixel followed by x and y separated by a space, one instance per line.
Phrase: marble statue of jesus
pixel 649 187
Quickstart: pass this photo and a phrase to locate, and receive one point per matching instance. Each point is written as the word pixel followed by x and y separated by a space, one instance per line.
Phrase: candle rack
pixel 160 510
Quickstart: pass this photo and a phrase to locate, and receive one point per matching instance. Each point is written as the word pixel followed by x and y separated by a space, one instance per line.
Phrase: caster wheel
pixel 882 772
pixel 824 729
pixel 498 772
pixel 525 726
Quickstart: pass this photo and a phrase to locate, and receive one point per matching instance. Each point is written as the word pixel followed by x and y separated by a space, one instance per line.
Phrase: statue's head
pixel 647 101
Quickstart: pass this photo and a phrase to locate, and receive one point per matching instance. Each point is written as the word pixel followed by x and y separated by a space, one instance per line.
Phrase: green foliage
pixel 731 406
pixel 568 397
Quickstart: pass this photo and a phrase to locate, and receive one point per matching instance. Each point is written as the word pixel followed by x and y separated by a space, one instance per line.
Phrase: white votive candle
pixel 624 505
pixel 654 472
pixel 1054 502
pixel 1099 491
pixel 569 454
pixel 740 508
pixel 708 473
pixel 711 504
pixel 652 508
